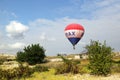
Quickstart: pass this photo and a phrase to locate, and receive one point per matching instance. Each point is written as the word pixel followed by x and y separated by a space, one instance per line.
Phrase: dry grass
pixel 51 64
pixel 9 65
pixel 84 62
pixel 51 76
pixel 91 77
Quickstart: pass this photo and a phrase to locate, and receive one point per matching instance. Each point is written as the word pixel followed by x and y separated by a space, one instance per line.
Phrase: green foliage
pixel 32 54
pixel 22 71
pixel 15 73
pixel 49 75
pixel 21 56
pixel 58 54
pixel 116 66
pixel 117 62
pixel 39 68
pixel 69 66
pixel 100 58
pixel 2 59
pixel 83 69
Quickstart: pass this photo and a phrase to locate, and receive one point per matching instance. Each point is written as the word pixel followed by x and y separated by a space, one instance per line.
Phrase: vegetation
pixel 69 66
pixel 39 68
pixel 100 57
pixel 100 62
pixel 2 59
pixel 50 75
pixel 41 72
pixel 116 66
pixel 21 71
pixel 32 54
pixel 15 73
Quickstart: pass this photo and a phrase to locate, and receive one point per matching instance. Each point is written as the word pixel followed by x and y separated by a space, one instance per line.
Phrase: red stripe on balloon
pixel 74 26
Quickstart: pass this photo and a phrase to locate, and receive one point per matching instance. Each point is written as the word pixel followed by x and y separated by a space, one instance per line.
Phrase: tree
pixel 100 58
pixel 32 54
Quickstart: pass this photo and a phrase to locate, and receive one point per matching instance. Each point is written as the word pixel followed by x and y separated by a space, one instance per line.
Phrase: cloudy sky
pixel 24 22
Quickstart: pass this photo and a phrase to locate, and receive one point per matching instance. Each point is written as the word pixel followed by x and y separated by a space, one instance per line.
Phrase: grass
pixel 84 62
pixel 50 75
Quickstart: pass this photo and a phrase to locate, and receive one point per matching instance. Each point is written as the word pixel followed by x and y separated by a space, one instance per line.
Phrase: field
pixel 50 74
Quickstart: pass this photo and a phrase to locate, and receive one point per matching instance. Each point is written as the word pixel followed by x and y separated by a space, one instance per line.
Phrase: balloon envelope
pixel 74 33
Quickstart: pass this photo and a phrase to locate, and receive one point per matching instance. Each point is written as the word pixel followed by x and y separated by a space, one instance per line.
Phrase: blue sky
pixel 24 22
pixel 30 10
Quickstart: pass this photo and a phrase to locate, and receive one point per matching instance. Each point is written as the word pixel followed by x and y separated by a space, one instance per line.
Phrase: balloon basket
pixel 74 47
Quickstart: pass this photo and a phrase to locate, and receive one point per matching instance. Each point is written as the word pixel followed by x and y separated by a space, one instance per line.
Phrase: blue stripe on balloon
pixel 74 41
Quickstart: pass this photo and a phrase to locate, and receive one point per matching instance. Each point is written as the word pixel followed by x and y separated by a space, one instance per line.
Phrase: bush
pixel 69 66
pixel 22 71
pixel 116 66
pixel 15 73
pixel 39 68
pixel 83 69
pixel 2 59
pixel 32 54
pixel 100 58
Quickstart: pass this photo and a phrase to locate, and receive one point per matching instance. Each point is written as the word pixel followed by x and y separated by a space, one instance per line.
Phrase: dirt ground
pixel 91 77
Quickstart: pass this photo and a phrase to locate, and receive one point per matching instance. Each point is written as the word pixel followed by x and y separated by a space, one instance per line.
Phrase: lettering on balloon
pixel 70 34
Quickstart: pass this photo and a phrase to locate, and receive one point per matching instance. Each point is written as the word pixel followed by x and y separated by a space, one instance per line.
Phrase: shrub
pixel 116 66
pixel 24 71
pixel 15 73
pixel 83 69
pixel 100 58
pixel 2 59
pixel 69 66
pixel 32 54
pixel 39 68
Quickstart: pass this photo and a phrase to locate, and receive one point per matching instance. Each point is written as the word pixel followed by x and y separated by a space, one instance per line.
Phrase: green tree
pixel 100 58
pixel 32 54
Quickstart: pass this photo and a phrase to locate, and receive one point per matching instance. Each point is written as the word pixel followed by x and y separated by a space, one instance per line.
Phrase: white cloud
pixel 103 25
pixel 43 36
pixel 16 45
pixel 16 30
pixel 2 46
pixel 96 29
pixel 51 34
pixel 11 48
pixel 104 3
pixel 52 39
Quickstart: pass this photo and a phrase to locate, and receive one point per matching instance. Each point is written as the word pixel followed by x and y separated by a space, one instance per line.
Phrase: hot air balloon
pixel 74 33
